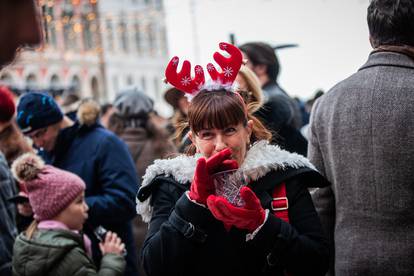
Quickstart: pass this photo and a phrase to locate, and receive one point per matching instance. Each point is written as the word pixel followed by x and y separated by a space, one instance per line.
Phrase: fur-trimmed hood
pixel 260 160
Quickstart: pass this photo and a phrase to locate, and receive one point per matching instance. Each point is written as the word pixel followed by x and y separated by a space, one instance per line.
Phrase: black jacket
pixel 185 239
pixel 281 115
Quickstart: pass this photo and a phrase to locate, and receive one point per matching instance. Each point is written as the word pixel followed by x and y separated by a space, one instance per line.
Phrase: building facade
pixel 69 57
pixel 95 49
pixel 135 45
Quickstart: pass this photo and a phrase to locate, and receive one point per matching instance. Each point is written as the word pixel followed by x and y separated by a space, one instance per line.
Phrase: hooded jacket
pixel 185 239
pixel 59 252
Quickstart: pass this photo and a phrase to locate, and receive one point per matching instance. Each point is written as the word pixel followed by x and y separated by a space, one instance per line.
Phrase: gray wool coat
pixel 362 140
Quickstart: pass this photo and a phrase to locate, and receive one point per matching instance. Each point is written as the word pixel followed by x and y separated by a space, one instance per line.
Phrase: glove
pixel 203 185
pixel 248 217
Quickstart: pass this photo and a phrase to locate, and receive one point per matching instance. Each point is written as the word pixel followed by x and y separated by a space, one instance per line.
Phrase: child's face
pixel 75 215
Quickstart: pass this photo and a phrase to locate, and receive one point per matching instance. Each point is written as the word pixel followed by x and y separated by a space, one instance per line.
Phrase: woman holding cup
pixel 193 230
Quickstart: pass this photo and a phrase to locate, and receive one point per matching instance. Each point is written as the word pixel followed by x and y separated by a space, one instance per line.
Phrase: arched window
pixel 6 79
pixel 31 82
pixel 95 88
pixel 143 83
pixel 76 85
pixel 130 80
pixel 55 82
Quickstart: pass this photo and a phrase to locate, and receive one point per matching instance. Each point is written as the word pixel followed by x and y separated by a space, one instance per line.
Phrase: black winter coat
pixel 185 239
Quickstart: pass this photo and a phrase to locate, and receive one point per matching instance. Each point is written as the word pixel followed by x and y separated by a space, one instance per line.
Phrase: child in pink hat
pixel 53 244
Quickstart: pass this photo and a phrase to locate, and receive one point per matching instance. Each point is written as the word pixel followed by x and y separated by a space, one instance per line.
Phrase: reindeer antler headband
pixel 183 81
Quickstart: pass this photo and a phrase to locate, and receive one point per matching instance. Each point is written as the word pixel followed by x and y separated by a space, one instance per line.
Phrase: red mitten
pixel 203 185
pixel 248 217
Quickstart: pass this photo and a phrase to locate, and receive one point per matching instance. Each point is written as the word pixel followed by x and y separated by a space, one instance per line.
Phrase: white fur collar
pixel 260 159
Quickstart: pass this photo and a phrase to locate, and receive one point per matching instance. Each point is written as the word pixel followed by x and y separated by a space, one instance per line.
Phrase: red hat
pixel 7 106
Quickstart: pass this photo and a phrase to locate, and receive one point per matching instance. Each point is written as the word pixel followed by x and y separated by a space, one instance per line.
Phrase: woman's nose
pixel 220 143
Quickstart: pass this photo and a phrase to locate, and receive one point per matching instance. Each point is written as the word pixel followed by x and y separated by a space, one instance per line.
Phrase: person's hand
pixel 249 217
pixel 203 185
pixel 112 244
pixel 25 209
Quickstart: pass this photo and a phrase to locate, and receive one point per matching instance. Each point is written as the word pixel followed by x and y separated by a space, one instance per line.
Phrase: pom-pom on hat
pixel 50 189
pixel 7 106
pixel 37 110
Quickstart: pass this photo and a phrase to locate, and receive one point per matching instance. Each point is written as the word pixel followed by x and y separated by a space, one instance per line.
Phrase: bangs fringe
pixel 219 110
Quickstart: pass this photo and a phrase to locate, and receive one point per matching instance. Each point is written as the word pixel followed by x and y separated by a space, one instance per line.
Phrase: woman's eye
pixel 230 130
pixel 206 135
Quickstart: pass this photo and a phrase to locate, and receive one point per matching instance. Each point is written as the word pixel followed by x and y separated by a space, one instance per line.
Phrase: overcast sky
pixel 332 35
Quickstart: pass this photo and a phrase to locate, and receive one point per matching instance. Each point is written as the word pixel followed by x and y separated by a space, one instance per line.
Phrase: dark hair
pixel 219 109
pixel 391 22
pixel 70 98
pixel 105 107
pixel 260 53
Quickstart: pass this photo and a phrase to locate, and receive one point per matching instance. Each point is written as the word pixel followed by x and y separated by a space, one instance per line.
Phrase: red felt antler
pixel 182 80
pixel 230 66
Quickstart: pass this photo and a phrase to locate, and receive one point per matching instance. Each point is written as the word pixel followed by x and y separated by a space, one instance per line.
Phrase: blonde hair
pixel 254 94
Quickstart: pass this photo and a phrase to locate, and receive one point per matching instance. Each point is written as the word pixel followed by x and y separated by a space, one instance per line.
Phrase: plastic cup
pixel 228 185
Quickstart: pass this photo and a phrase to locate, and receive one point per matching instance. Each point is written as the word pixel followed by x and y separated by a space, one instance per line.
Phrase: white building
pixel 70 55
pixel 134 46
pixel 97 48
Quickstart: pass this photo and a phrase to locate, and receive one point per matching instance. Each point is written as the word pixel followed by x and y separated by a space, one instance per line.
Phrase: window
pixel 89 26
pixel 156 87
pixel 69 34
pixel 50 24
pixel 95 88
pixel 115 83
pixel 110 35
pixel 123 34
pixel 6 79
pixel 75 85
pixel 31 82
pixel 138 38
pixel 151 40
pixel 163 42
pixel 143 83
pixel 54 82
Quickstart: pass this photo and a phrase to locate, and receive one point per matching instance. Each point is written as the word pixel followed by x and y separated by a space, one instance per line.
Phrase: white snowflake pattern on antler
pixel 228 71
pixel 199 70
pixel 224 46
pixel 185 81
pixel 210 67
pixel 175 61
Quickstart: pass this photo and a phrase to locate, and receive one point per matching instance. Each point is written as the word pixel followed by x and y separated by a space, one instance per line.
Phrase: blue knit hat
pixel 37 110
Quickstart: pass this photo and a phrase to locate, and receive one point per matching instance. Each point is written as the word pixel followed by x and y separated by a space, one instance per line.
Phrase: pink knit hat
pixel 50 189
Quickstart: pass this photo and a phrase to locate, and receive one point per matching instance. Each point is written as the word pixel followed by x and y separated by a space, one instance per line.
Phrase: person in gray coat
pixel 362 140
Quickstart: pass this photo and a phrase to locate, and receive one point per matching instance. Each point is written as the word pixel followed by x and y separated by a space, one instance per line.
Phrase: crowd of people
pixel 116 189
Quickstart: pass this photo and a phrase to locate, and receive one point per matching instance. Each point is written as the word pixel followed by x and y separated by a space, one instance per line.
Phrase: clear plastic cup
pixel 228 184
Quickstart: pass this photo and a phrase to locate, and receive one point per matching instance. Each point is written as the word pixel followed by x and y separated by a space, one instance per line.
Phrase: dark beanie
pixel 37 110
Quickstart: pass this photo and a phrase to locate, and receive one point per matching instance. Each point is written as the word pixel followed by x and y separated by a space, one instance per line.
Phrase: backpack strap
pixel 280 203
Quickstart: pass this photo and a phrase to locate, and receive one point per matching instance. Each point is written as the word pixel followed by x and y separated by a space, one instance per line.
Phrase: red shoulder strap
pixel 280 204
